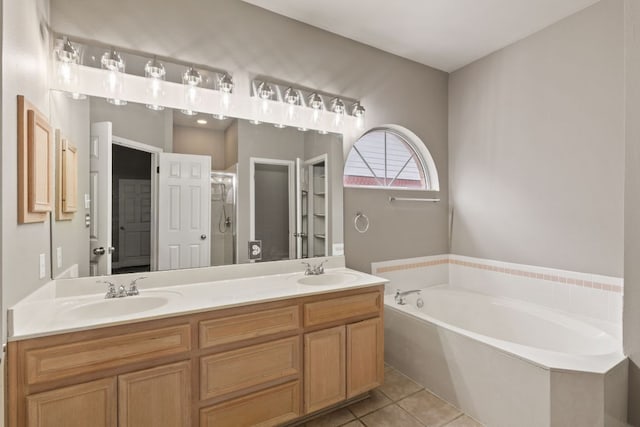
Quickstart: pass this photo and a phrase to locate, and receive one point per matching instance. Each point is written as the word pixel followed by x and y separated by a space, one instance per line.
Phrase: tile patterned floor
pixel 400 402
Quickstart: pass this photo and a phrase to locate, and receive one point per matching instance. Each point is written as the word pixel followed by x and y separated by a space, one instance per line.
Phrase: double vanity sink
pixel 236 352
pixel 44 316
pixel 154 300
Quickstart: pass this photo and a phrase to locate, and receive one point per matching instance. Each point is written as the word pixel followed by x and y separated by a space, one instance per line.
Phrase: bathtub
pixel 507 362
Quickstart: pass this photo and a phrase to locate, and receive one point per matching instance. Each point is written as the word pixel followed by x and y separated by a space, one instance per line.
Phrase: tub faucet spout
pixel 400 296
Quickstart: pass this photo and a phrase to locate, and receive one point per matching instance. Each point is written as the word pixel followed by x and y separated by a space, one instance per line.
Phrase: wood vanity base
pixel 262 364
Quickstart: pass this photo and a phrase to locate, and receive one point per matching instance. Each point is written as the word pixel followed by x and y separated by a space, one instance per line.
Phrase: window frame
pixel 416 145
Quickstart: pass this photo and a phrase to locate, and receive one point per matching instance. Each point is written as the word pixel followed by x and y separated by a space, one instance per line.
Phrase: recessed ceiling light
pixel 201 121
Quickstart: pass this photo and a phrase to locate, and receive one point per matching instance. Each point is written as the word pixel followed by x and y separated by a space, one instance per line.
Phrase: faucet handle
pixel 308 269
pixel 111 291
pixel 133 288
pixel 319 269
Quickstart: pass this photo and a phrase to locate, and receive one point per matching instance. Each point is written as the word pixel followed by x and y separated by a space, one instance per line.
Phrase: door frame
pixel 291 166
pixel 155 162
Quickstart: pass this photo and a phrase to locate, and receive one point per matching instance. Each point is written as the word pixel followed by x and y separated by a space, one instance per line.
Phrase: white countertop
pixel 55 314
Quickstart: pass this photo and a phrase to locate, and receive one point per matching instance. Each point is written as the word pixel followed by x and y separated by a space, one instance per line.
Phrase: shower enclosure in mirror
pixel 160 190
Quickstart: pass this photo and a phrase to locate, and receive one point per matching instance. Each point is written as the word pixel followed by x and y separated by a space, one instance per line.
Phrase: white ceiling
pixel 444 34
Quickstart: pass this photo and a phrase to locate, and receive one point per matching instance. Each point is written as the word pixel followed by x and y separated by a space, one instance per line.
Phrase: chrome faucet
pixel 400 296
pixel 111 291
pixel 315 270
pixel 133 288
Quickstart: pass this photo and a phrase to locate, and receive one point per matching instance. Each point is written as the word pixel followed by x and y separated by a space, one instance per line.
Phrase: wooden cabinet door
pixel 90 404
pixel 157 397
pixel 365 356
pixel 324 368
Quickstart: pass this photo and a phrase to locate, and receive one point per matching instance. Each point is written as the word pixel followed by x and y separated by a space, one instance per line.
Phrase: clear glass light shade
pixel 291 96
pixel 115 86
pixel 225 83
pixel 192 77
pixel 358 112
pixel 155 72
pixel 67 52
pixel 337 106
pixel 264 91
pixel 112 61
pixel 315 101
pixel 68 60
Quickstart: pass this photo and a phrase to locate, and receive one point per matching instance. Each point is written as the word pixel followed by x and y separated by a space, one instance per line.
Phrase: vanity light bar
pixel 89 69
pixel 276 102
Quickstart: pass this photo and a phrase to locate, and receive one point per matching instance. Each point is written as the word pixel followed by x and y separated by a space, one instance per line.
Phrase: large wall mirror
pixel 160 190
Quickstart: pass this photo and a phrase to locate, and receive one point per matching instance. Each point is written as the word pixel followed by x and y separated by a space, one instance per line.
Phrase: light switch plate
pixel 338 249
pixel 59 256
pixel 43 266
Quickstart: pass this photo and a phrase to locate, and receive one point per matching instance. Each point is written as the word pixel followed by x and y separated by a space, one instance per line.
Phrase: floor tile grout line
pixel 458 417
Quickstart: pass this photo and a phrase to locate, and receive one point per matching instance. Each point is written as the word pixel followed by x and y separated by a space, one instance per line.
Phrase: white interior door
pixel 184 211
pixel 100 193
pixel 134 222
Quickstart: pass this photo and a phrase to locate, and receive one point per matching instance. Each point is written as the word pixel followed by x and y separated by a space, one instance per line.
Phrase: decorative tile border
pixel 410 266
pixel 559 277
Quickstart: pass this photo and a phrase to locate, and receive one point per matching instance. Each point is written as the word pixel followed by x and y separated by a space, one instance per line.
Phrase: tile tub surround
pixel 589 295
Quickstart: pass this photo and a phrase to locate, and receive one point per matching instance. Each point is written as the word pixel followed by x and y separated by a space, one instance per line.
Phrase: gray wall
pixel 203 142
pixel 631 321
pixel 25 49
pixel 72 118
pixel 136 122
pixel 536 140
pixel 264 141
pixel 249 41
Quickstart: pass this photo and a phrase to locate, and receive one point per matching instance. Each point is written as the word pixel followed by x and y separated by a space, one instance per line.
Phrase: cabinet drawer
pixel 317 313
pixel 247 367
pixel 60 361
pixel 245 326
pixel 270 407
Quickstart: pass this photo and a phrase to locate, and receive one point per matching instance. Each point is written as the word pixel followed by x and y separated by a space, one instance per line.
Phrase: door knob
pixel 203 237
pixel 99 251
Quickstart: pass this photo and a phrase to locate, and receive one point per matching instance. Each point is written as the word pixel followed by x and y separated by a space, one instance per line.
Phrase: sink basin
pixel 328 279
pixel 116 307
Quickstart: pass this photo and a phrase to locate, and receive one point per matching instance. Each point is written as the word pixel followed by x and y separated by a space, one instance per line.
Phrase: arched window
pixel 390 157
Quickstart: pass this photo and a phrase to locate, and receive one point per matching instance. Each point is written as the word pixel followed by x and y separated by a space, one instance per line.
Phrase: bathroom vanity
pixel 280 352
